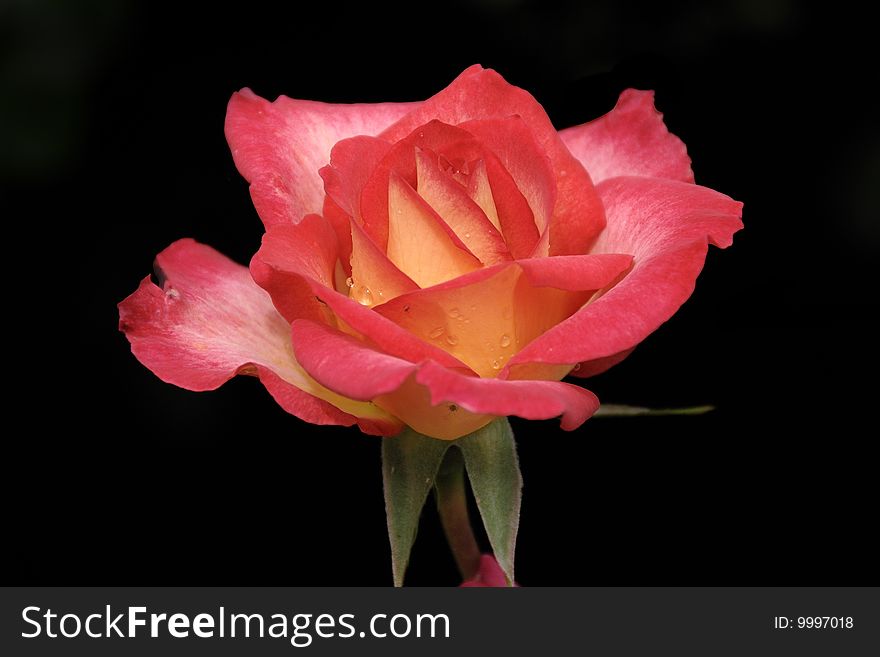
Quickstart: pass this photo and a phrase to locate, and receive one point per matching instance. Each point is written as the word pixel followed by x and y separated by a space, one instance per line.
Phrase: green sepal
pixel 410 463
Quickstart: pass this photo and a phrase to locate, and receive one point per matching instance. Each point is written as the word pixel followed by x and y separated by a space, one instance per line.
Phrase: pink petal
pixel 450 405
pixel 212 322
pixel 289 255
pixel 483 94
pixel 352 161
pixel 279 147
pixel 667 226
pixel 631 140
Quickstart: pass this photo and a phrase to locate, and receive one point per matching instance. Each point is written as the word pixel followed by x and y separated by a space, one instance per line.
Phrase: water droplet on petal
pixel 436 333
pixel 451 340
pixel 576 367
pixel 454 313
pixel 453 408
pixel 349 281
pixel 466 235
pixel 505 340
pixel 496 365
pixel 406 308
pixel 172 294
pixel 362 294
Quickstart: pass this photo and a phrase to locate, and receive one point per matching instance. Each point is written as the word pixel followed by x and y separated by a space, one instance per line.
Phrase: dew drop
pixel 349 281
pixel 453 408
pixel 451 340
pixel 171 293
pixel 406 308
pixel 467 236
pixel 454 313
pixel 496 365
pixel 436 333
pixel 505 340
pixel 362 294
pixel 576 367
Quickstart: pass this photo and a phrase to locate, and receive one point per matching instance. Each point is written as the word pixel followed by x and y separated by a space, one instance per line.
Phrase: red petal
pixel 512 142
pixel 631 140
pixel 328 355
pixel 212 322
pixel 279 147
pixel 434 136
pixel 483 94
pixel 667 226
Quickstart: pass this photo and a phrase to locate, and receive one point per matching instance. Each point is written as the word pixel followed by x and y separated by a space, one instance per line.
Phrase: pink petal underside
pixel 479 94
pixel 451 201
pixel 212 322
pixel 485 317
pixel 279 147
pixel 631 140
pixel 327 354
pixel 667 226
pixel 303 289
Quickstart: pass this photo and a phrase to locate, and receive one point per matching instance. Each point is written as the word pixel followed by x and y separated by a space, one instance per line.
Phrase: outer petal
pixel 432 399
pixel 279 147
pixel 667 226
pixel 212 322
pixel 631 140
pixel 483 94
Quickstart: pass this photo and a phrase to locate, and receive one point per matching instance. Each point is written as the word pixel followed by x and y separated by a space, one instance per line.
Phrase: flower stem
pixel 450 491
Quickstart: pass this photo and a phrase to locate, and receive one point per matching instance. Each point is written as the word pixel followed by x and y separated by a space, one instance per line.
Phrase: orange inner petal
pixel 418 242
pixel 485 322
pixel 374 278
pixel 451 201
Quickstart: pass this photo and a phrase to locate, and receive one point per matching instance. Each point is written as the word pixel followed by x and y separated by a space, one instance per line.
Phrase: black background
pixel 113 145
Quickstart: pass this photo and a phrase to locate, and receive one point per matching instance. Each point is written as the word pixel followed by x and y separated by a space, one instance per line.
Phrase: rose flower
pixel 435 264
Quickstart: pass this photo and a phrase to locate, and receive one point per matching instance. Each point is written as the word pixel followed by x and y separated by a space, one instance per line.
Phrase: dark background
pixel 113 147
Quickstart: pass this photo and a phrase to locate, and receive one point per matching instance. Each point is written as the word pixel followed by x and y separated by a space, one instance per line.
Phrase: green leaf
pixel 493 469
pixel 409 466
pixel 620 410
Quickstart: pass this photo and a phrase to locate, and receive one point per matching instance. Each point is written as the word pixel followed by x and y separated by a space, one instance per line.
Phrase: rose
pixel 435 264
